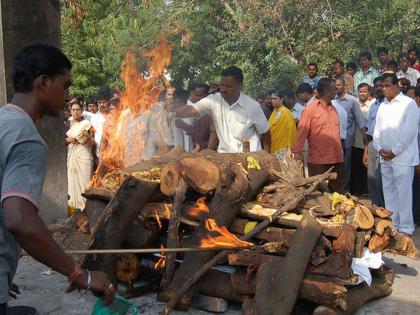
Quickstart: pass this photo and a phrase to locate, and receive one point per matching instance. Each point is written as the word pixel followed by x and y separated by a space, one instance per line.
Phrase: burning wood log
pixel 108 232
pixel 270 234
pixel 291 204
pixel 235 187
pixel 278 285
pixel 251 259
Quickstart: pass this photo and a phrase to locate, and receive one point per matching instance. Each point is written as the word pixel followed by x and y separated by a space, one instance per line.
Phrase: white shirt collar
pixel 240 101
pixel 395 99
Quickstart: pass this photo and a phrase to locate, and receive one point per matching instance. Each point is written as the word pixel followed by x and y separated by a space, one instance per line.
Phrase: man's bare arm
pixel 27 228
pixel 266 141
pixel 183 125
pixel 185 111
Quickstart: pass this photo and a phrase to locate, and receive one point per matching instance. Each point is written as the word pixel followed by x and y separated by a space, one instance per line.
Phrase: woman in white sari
pixel 79 156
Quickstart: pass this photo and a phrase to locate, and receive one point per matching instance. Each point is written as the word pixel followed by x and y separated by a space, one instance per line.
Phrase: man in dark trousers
pixel 41 80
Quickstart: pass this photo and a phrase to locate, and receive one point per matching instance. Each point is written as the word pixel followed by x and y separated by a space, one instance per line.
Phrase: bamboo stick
pixel 153 250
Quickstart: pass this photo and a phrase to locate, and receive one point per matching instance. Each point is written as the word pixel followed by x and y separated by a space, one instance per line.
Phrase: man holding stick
pixel 41 79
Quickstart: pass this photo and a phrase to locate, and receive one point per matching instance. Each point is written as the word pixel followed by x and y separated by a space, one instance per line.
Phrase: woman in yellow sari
pixel 282 126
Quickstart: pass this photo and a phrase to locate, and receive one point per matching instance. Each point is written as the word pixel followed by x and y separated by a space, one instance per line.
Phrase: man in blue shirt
pixel 366 73
pixel 355 119
pixel 312 77
pixel 371 156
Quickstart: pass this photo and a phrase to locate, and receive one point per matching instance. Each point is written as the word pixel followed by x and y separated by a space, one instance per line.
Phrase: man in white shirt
pixel 291 103
pixel 181 137
pixel 406 71
pixel 395 138
pixel 98 119
pixel 236 116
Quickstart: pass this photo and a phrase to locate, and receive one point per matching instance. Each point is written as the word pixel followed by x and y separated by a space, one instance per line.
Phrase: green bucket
pixel 120 306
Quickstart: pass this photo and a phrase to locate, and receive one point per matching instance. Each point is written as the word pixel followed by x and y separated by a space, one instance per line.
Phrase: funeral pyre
pixel 299 244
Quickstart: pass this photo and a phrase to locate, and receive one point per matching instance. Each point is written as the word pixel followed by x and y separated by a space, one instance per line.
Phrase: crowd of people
pixel 363 121
pixel 367 129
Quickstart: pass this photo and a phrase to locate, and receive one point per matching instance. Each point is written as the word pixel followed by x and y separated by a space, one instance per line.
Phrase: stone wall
pixel 26 22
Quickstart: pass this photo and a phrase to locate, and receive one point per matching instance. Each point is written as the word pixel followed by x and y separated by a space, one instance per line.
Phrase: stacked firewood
pixel 299 242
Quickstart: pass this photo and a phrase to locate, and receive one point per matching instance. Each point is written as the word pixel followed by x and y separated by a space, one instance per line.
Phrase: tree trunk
pixel 278 284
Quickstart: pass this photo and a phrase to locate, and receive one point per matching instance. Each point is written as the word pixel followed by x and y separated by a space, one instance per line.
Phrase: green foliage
pixel 271 40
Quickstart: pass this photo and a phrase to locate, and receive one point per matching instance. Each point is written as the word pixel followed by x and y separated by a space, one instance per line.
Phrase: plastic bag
pixel 120 306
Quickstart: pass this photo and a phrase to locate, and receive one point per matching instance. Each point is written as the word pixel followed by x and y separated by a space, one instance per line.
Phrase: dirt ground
pixel 43 289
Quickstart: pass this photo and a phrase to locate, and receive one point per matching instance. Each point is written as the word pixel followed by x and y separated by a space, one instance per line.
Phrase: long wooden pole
pixel 291 204
pixel 152 250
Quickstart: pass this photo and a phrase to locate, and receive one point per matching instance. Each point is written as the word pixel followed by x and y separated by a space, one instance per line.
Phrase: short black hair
pixel 115 100
pixel 323 85
pixel 403 55
pixel 381 50
pixel 180 94
pixel 191 87
pixel 304 87
pixel 393 77
pixel 280 93
pixel 365 54
pixel 289 94
pixel 234 72
pixel 339 62
pixel 351 65
pixel 411 49
pixel 362 85
pixel 104 93
pixel 392 63
pixel 417 91
pixel 35 60
pixel 404 81
pixel 341 78
pixel 313 64
pixel 380 78
pixel 91 100
pixel 75 103
pixel 204 86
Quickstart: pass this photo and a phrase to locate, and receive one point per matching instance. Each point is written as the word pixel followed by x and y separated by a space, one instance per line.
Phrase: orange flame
pixel 162 260
pixel 158 220
pixel 224 239
pixel 167 211
pixel 201 208
pixel 127 130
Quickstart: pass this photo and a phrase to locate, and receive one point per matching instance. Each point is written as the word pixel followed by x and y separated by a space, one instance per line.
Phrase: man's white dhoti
pixel 397 181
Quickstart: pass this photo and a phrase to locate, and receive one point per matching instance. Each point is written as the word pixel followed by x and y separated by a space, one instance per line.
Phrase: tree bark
pixel 173 236
pixel 325 293
pixel 250 259
pixel 339 261
pixel 278 284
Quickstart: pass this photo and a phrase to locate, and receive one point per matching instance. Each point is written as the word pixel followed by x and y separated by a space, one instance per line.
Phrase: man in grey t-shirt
pixel 41 79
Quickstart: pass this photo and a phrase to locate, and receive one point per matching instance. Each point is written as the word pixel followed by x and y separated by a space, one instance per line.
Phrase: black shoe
pixel 21 310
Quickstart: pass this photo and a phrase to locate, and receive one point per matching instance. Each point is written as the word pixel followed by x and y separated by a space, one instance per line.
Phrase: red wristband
pixel 77 271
